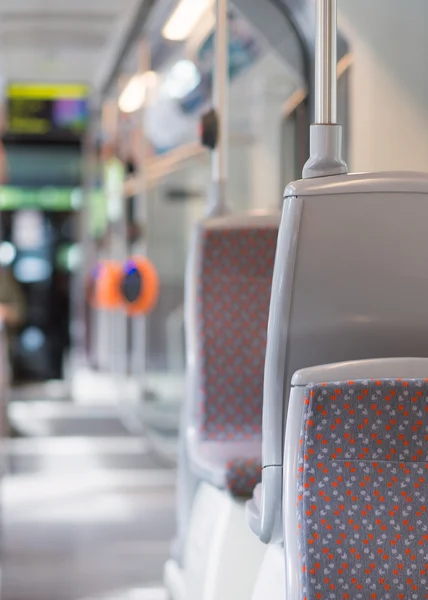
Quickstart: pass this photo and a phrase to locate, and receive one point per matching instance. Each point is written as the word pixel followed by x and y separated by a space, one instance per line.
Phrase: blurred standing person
pixel 12 305
pixel 4 171
pixel 12 299
pixel 4 167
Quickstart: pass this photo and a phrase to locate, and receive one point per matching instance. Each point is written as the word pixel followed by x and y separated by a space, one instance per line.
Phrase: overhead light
pixel 32 339
pixel 31 269
pixel 7 253
pixel 184 19
pixel 133 96
pixel 182 79
pixel 76 198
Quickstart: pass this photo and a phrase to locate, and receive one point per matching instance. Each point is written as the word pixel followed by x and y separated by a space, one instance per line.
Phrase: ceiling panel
pixel 57 39
pixel 62 6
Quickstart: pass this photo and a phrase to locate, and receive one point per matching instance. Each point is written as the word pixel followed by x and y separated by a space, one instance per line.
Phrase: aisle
pixel 85 518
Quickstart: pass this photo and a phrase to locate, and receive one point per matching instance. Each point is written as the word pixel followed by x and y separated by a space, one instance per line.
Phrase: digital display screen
pixel 37 164
pixel 46 110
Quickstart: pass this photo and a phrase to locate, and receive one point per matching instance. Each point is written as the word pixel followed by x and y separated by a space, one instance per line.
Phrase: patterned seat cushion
pixel 242 476
pixel 233 296
pixel 363 491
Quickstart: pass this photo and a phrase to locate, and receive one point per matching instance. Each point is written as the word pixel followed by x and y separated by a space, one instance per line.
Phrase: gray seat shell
pixel 350 283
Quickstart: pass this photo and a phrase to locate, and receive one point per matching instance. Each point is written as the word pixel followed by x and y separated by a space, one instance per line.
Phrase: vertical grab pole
pixel 326 135
pixel 220 156
pixel 326 61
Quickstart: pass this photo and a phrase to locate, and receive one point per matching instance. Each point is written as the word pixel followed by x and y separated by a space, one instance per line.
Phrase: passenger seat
pixel 355 518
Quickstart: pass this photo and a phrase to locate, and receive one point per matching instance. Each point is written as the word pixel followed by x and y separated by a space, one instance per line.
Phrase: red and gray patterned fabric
pixel 363 491
pixel 242 476
pixel 234 285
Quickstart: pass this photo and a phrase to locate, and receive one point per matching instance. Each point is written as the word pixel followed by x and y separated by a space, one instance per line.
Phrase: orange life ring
pixel 106 285
pixel 139 286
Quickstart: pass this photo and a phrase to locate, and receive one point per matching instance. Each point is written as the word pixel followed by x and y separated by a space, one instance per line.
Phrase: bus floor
pixel 85 518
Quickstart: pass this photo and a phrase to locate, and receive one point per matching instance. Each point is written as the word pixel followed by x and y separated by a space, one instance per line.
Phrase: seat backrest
pixel 350 283
pixel 226 324
pixel 228 283
pixel 362 488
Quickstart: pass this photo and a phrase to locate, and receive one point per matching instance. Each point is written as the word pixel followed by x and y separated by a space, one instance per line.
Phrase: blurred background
pixel 100 160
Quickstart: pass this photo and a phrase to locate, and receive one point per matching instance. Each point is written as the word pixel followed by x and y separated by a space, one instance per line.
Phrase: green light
pixel 46 198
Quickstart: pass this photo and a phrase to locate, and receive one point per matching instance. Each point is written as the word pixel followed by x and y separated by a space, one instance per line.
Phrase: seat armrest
pixel 263 511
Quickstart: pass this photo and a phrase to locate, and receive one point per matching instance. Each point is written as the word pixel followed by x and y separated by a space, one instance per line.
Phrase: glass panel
pixel 174 205
pixel 260 84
